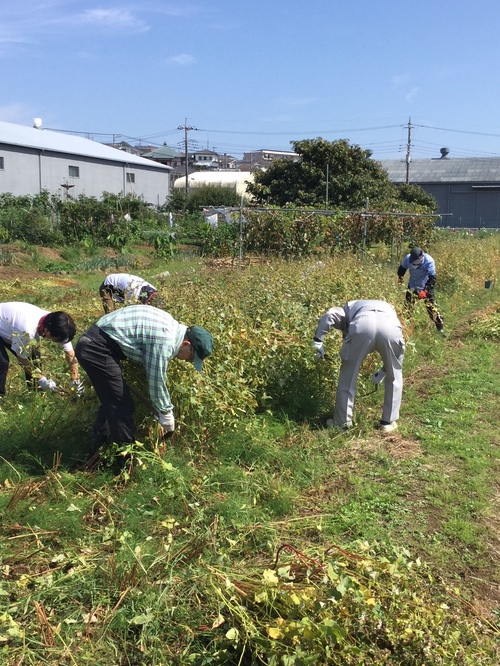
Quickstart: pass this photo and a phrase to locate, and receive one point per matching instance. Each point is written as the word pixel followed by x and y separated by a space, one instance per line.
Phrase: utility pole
pixel 408 152
pixel 327 178
pixel 186 129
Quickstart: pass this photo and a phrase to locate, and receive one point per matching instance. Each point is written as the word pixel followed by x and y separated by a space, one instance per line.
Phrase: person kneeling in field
pixel 366 326
pixel 144 335
pixel 21 325
pixel 125 288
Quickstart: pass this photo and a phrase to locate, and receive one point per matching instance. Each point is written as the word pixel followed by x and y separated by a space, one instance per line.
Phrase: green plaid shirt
pixel 148 336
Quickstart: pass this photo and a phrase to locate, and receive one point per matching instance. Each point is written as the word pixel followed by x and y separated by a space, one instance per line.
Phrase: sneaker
pixel 330 423
pixel 388 427
pixel 441 332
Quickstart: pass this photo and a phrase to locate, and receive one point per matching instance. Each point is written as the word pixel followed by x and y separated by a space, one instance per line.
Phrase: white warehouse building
pixel 33 160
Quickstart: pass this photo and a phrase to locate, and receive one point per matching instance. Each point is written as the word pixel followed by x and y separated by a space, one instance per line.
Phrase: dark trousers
pixel 4 364
pixel 430 306
pixel 100 356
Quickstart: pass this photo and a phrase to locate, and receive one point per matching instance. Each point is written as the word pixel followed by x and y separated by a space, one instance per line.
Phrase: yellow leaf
pixel 270 577
pixel 274 632
pixel 232 634
pixel 218 621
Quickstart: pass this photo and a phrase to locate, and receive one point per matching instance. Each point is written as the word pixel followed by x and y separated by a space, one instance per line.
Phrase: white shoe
pixel 389 427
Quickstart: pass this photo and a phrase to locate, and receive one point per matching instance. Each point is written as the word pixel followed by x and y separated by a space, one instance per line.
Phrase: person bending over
pixel 366 326
pixel 125 288
pixel 21 327
pixel 144 335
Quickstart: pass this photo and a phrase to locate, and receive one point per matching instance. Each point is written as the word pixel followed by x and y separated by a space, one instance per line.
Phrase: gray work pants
pixel 371 331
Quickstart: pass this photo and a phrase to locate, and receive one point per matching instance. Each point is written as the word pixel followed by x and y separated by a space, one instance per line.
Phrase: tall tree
pixel 330 174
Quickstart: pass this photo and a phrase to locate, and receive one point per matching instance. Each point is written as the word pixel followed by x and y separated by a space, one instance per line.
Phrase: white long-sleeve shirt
pixel 130 285
pixel 18 327
pixel 340 318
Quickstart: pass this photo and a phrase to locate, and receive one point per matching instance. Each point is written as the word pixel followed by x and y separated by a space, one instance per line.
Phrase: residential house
pixel 205 159
pixel 262 159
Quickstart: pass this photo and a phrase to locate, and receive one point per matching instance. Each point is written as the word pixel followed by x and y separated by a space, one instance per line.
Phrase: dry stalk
pixel 46 629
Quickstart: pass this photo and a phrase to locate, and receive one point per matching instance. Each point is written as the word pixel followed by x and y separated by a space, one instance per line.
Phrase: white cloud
pixel 23 22
pixel 182 59
pixel 411 94
pixel 120 19
pixel 399 79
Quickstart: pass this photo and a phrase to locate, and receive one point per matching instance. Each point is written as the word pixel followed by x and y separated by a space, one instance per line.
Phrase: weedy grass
pixel 255 535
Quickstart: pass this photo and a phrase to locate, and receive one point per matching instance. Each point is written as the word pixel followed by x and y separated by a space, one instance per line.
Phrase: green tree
pixel 345 172
pixel 414 194
pixel 212 195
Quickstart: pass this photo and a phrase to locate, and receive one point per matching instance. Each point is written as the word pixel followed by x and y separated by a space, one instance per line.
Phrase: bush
pixel 48 220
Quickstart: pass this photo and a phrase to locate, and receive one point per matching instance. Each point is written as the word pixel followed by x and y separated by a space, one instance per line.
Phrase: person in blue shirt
pixel 421 283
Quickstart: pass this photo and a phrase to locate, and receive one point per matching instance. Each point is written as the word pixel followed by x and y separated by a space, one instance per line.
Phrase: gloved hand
pixel 320 350
pixel 77 387
pixel 422 294
pixel 46 384
pixel 167 421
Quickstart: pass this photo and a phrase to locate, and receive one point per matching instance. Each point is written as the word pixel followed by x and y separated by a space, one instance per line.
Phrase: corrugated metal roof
pixel 454 170
pixel 40 139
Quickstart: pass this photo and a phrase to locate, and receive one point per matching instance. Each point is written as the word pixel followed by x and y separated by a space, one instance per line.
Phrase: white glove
pixel 320 350
pixel 46 384
pixel 378 376
pixel 167 421
pixel 78 387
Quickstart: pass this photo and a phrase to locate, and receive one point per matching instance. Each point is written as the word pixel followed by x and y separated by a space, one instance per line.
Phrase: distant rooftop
pixel 40 139
pixel 445 170
pixel 163 152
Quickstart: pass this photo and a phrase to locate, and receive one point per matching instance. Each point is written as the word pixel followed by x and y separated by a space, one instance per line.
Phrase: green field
pixel 255 536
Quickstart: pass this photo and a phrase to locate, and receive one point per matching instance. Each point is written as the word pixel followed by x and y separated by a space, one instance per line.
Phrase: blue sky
pixel 252 74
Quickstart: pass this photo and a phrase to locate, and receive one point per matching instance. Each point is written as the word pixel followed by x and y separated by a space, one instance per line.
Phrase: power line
pixel 331 131
pixel 444 129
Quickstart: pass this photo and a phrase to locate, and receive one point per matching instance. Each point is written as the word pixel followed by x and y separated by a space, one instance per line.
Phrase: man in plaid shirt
pixel 146 335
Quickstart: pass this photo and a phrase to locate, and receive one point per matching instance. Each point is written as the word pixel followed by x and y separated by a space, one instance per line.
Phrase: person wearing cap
pixel 125 288
pixel 366 326
pixel 21 327
pixel 145 335
pixel 421 283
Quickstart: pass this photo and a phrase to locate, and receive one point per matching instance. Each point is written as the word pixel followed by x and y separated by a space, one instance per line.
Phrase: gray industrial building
pixel 467 189
pixel 33 160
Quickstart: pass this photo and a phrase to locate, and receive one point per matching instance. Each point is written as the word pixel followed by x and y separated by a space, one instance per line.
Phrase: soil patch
pixel 24 275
